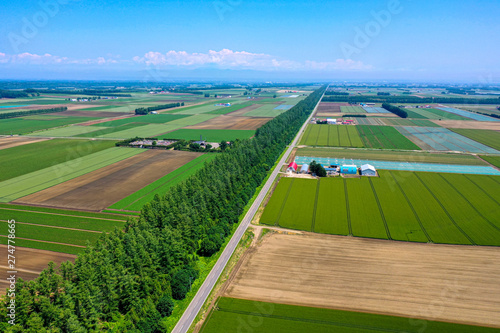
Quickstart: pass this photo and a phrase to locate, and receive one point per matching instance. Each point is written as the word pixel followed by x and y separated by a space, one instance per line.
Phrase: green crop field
pixel 267 110
pixel 384 137
pixel 49 234
pixel 495 160
pixel 487 137
pixel 24 126
pixel 146 119
pixel 29 183
pixel 210 135
pixel 405 206
pixel 21 160
pixel 228 109
pixel 47 246
pixel 331 135
pixel 352 109
pixel 412 113
pixel 101 131
pixel 60 220
pixel 136 201
pixel 239 315
pixel 211 106
pixel 387 155
pixel 68 131
pixel 434 114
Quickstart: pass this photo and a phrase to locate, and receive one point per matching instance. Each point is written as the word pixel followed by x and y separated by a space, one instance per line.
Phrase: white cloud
pixel 225 59
pixel 48 59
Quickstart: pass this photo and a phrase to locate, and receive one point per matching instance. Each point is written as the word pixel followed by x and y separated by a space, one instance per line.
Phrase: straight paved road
pixel 207 286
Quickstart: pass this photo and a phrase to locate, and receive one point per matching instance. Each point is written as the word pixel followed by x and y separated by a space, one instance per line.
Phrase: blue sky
pixel 395 40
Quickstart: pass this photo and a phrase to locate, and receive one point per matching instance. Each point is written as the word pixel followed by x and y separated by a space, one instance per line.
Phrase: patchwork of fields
pixel 442 139
pixel 352 109
pixel 331 135
pixel 406 206
pixel 486 137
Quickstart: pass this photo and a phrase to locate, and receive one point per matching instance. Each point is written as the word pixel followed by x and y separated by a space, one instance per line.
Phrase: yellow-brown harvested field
pixel 14 141
pixel 232 123
pixel 99 189
pixel 241 112
pixel 29 263
pixel 434 282
pixel 487 125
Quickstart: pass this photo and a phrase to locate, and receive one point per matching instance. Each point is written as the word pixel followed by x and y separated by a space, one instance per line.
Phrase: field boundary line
pixel 42 241
pixel 387 138
pixel 349 226
pixel 494 179
pixel 55 227
pixel 445 210
pixel 470 204
pixel 482 190
pixel 380 209
pixel 412 208
pixel 68 215
pixel 313 223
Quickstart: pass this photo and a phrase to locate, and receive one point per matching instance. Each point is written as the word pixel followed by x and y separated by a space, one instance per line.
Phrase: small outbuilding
pixel 368 170
pixel 304 168
pixel 292 167
pixel 349 169
pixel 330 121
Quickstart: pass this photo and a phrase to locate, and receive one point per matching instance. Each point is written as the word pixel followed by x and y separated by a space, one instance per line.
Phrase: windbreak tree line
pixel 141 111
pixel 396 110
pixel 31 112
pixel 129 279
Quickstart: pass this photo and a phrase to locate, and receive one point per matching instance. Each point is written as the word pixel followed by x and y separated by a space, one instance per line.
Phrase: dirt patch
pixel 468 124
pixel 102 188
pixel 14 141
pixel 435 282
pixel 232 123
pixel 29 263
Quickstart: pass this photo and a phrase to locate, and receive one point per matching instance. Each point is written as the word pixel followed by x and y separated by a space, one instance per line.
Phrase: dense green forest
pixel 129 280
pixel 157 107
pixel 396 110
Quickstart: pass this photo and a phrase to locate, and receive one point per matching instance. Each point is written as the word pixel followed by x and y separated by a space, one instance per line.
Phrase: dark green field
pixel 495 160
pixel 238 315
pixel 384 137
pixel 398 205
pixel 25 126
pixel 143 120
pixel 210 135
pixel 331 135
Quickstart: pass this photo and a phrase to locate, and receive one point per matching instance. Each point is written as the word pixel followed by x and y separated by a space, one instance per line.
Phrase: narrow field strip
pixel 44 245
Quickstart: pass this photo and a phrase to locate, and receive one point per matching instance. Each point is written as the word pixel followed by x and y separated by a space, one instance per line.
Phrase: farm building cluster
pixel 335 170
pixel 333 121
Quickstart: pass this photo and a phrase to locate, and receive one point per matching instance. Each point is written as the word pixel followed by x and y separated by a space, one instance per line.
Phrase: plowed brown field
pixel 14 141
pixel 427 281
pixel 99 189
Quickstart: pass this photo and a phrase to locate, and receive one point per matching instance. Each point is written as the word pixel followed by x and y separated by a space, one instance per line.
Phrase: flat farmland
pixel 486 137
pixel 409 122
pixel 25 126
pixel 20 160
pixel 266 111
pixel 484 125
pixel 404 206
pixel 30 263
pixel 387 155
pixel 435 114
pixel 374 276
pixel 15 141
pixel 331 135
pixel 101 188
pixel 41 179
pixel 352 109
pixel 137 200
pixel 442 139
pixel 232 315
pixel 210 135
pixel 146 119
pixel 231 123
pixel 384 137
pixel 495 160
pixel 68 131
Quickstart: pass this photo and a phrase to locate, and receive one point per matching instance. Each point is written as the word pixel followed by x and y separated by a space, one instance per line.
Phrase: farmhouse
pixel 349 169
pixel 368 170
pixel 292 167
pixel 330 121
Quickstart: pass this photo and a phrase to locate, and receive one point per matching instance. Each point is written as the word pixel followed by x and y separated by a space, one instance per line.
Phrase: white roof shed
pixel 368 169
